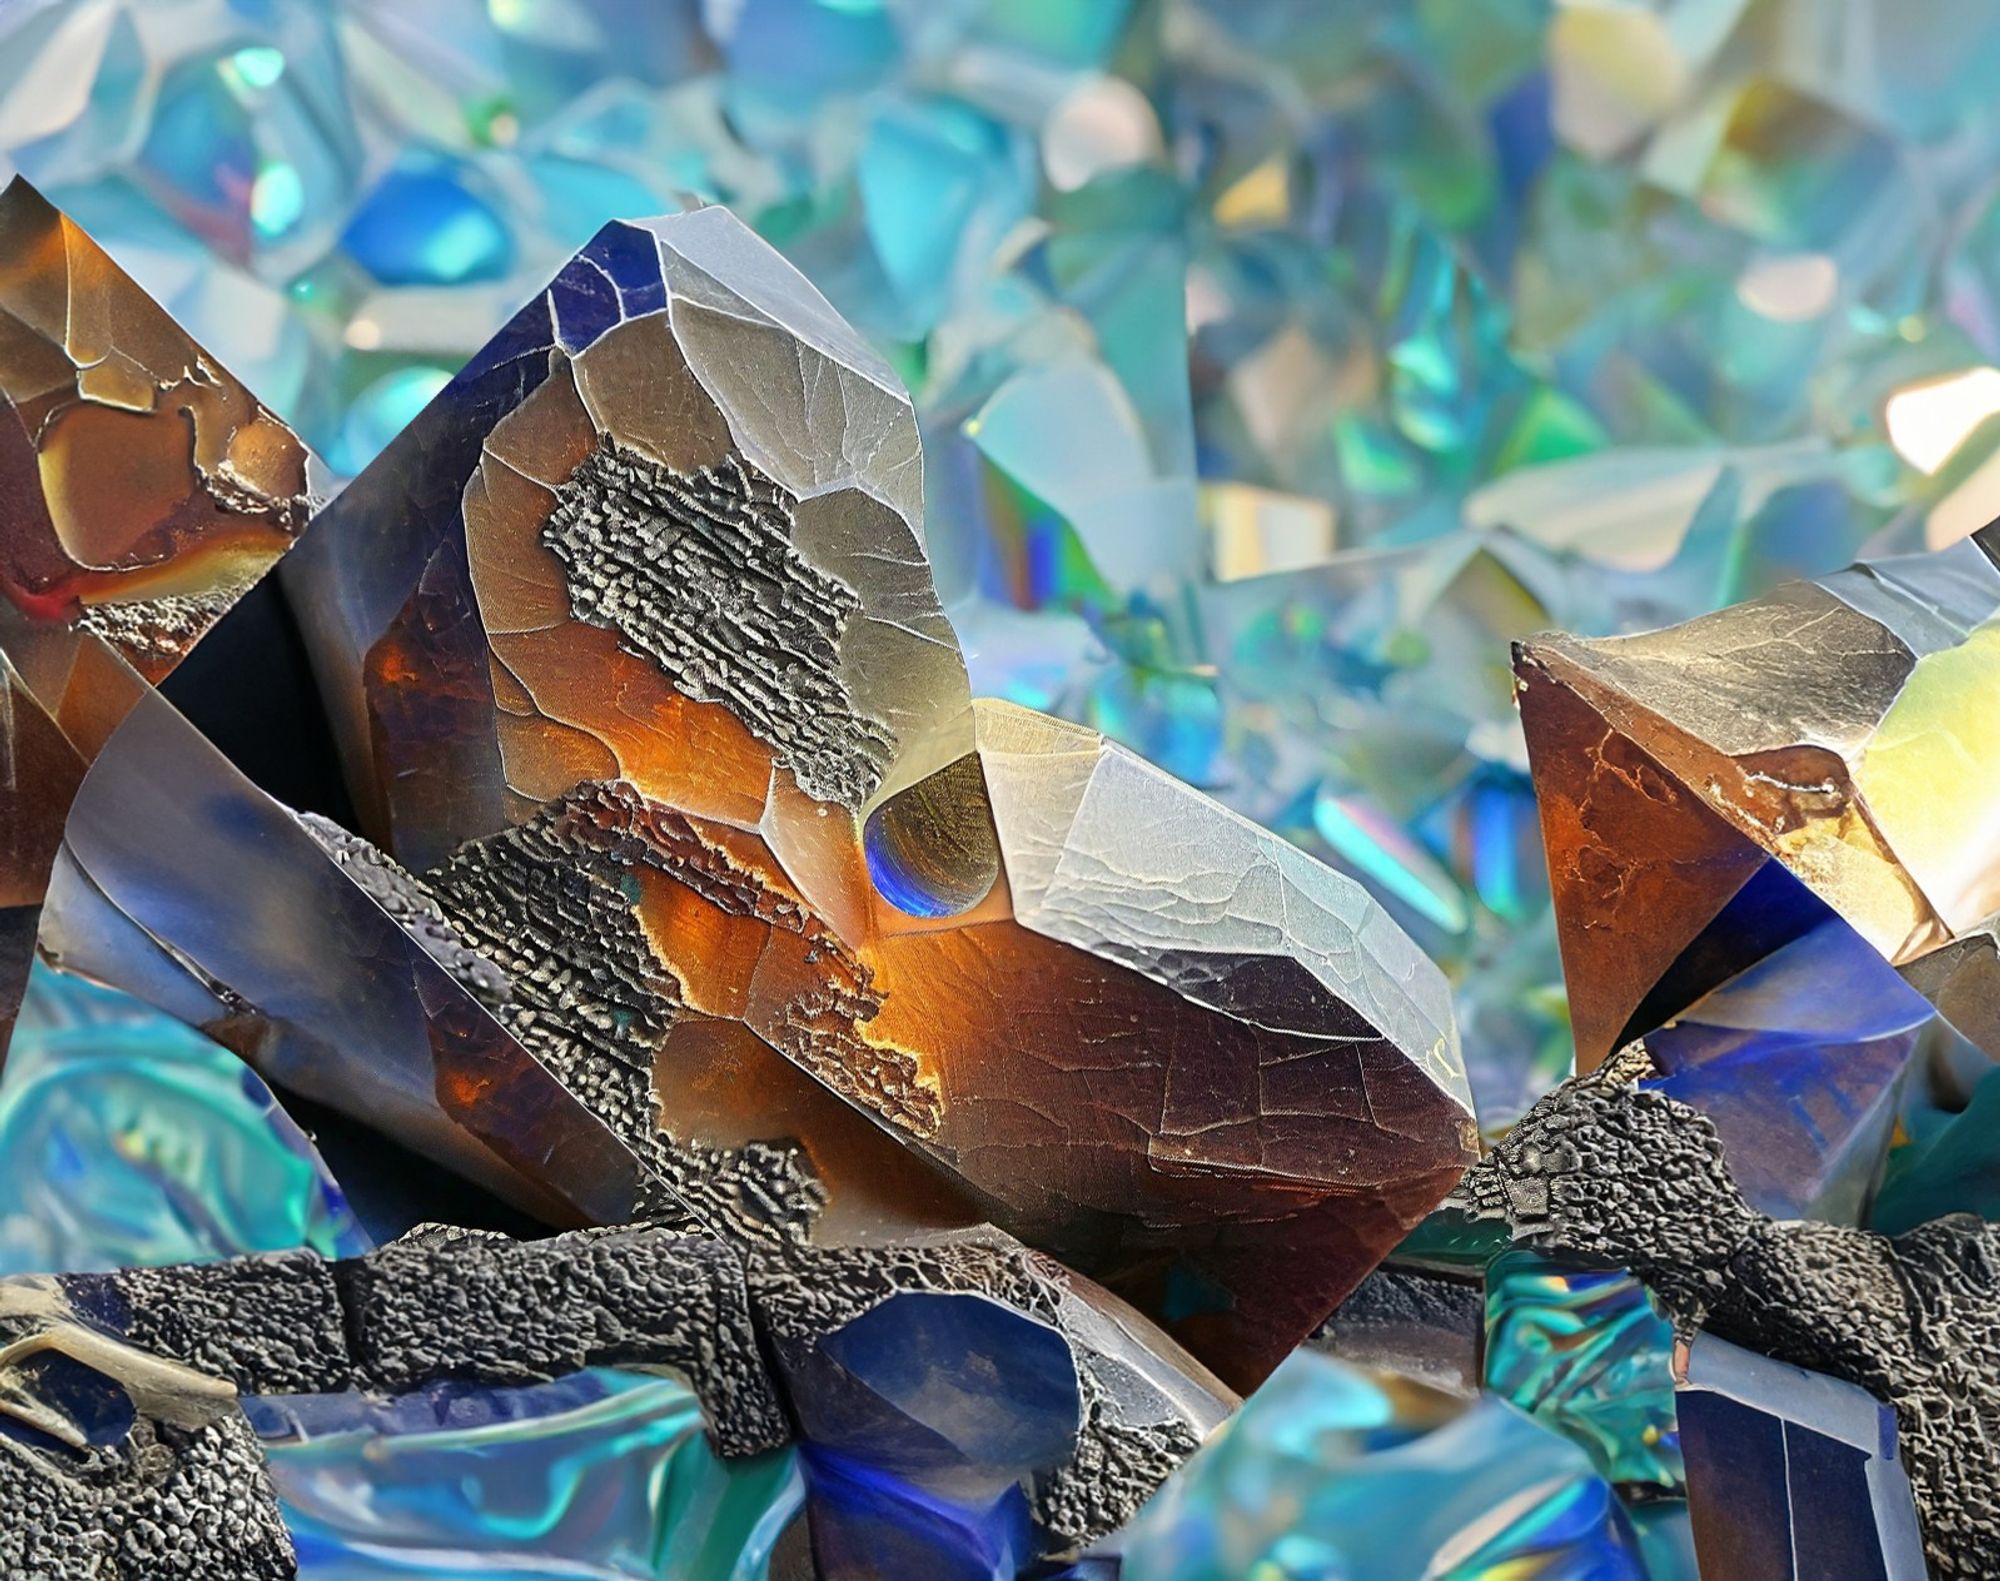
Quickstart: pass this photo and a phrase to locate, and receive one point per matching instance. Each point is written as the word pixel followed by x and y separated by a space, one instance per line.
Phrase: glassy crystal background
pixel 1279 362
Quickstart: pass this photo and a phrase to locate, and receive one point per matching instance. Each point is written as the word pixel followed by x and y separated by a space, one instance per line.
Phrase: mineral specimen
pixel 633 649
pixel 1607 1169
pixel 183 883
pixel 958 1399
pixel 1260 409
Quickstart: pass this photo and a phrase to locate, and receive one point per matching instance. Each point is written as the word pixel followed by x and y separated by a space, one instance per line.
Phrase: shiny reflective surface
pixel 1262 519
pixel 1830 738
pixel 633 647
pixel 1332 1471
pixel 143 491
pixel 605 1474
pixel 1586 1352
pixel 127 1140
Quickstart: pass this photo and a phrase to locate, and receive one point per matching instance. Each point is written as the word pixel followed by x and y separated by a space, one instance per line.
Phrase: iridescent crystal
pixel 1330 1470
pixel 186 1154
pixel 1587 1352
pixel 605 1471
pixel 1822 755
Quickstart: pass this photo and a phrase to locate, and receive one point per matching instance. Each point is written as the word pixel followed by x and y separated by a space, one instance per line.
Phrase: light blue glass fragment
pixel 1329 1471
pixel 381 412
pixel 603 1474
pixel 127 1139
pixel 423 225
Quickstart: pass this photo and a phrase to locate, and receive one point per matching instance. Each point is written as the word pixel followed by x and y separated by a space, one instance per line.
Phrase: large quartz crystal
pixel 633 652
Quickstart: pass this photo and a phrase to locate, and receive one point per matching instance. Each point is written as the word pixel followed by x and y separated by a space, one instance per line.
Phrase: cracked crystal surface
pixel 657 555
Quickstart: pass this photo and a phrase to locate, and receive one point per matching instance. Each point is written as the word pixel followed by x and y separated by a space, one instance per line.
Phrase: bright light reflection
pixel 1928 421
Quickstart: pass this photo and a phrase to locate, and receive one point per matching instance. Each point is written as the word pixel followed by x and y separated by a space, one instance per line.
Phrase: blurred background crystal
pixel 1278 361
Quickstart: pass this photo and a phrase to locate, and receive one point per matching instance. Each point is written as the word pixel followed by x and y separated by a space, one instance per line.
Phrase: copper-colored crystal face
pixel 1845 731
pixel 142 491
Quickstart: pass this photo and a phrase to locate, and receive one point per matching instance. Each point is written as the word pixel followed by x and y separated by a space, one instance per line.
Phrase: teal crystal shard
pixel 605 1474
pixel 1586 1352
pixel 1949 1164
pixel 127 1139
pixel 1330 1470
pixel 1309 279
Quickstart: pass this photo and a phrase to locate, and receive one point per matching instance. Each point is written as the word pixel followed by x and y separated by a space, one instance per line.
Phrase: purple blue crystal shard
pixel 1791 1474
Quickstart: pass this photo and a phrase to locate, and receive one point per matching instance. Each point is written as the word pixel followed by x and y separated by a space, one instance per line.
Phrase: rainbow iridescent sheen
pixel 602 1474
pixel 1586 1352
pixel 1332 1471
pixel 1261 404
pixel 128 1140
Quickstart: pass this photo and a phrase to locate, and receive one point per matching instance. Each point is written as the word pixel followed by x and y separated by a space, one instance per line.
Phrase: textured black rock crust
pixel 1605 1169
pixel 698 573
pixel 472 1305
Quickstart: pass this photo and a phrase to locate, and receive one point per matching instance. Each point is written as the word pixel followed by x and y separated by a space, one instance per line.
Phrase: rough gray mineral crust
pixel 515 1312
pixel 697 572
pixel 269 1325
pixel 462 1305
pixel 1424 1325
pixel 550 902
pixel 116 1463
pixel 166 1504
pixel 1605 1169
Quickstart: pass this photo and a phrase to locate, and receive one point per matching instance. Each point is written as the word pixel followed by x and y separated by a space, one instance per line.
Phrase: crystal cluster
pixel 868 893
pixel 1277 363
pixel 730 910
